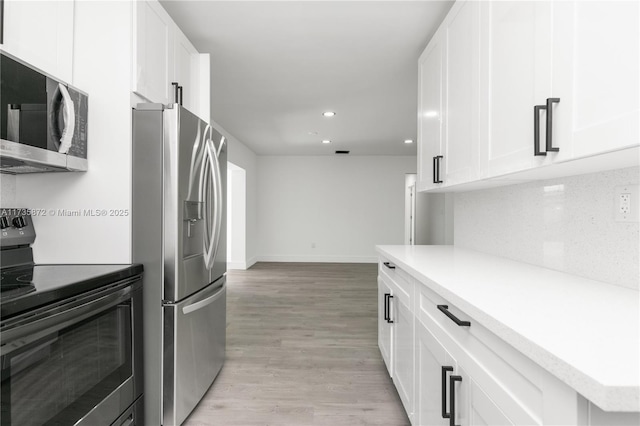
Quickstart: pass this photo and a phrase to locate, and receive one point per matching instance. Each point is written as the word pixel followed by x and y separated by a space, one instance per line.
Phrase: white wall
pixel 565 224
pixel 7 191
pixel 345 205
pixel 102 68
pixel 243 157
pixel 236 217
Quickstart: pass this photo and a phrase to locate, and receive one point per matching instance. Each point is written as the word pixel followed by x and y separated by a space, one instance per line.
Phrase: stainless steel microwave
pixel 43 121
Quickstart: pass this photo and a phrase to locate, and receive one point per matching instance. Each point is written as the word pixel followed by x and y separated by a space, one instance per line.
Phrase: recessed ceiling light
pixel 326 141
pixel 430 114
pixel 329 114
pixel 408 141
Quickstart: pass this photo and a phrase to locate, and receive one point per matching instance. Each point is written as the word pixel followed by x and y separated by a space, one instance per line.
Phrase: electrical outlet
pixel 626 203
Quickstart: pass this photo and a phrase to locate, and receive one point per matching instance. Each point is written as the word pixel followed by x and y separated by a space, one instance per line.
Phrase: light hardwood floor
pixel 302 350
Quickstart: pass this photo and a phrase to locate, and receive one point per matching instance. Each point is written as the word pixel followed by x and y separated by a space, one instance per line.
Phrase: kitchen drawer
pixel 521 388
pixel 400 281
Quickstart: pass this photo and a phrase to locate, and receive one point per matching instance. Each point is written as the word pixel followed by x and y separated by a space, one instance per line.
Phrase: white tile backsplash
pixel 566 224
pixel 7 190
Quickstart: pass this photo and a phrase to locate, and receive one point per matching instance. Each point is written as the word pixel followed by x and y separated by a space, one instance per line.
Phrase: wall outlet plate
pixel 626 203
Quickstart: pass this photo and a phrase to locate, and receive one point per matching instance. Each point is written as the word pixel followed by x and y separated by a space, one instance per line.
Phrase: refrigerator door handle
pixel 217 181
pixel 206 170
pixel 222 142
pixel 205 302
pixel 196 156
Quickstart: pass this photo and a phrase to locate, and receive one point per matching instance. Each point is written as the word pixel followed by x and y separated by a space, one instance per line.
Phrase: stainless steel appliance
pixel 70 337
pixel 43 121
pixel 179 171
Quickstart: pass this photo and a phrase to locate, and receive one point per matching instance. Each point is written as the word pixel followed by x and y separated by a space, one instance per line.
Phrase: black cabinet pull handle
pixel 389 320
pixel 536 130
pixel 445 415
pixel 452 398
pixel 436 169
pixel 175 92
pixel 550 102
pixel 389 265
pixel 445 310
pixel 180 95
pixel 386 306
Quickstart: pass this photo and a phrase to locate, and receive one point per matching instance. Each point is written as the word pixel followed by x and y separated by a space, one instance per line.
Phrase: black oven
pixel 76 361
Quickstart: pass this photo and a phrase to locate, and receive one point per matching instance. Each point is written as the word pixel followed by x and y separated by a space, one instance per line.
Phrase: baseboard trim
pixel 251 262
pixel 320 259
pixel 237 265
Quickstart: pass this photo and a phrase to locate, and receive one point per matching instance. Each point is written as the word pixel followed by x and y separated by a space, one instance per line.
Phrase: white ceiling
pixel 276 66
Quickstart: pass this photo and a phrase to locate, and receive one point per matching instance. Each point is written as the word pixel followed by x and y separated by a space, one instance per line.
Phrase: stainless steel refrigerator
pixel 178 222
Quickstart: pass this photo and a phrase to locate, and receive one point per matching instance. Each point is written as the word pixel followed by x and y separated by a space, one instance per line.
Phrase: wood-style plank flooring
pixel 302 350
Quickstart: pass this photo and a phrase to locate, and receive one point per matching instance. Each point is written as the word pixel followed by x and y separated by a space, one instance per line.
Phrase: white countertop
pixel 584 332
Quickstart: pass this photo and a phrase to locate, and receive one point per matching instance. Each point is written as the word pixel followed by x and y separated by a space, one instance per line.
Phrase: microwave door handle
pixel 69 117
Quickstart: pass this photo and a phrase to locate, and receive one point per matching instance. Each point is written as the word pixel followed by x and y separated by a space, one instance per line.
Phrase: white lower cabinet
pixel 431 358
pixel 402 349
pixel 475 407
pixel 384 327
pixel 445 389
pixel 450 370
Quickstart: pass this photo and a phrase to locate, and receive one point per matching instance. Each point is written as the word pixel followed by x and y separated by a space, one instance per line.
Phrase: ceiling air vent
pixel 342 152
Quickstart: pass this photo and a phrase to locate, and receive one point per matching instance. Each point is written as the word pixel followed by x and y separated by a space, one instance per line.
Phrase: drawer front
pixel 515 383
pixel 401 282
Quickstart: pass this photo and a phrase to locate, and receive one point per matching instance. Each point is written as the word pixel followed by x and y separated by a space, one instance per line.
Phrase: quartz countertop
pixel 584 332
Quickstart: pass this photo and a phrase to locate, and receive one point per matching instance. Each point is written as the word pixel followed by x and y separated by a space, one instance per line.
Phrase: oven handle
pixel 22 335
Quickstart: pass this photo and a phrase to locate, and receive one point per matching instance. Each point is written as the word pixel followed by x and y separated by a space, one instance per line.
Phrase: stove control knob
pixel 4 222
pixel 19 222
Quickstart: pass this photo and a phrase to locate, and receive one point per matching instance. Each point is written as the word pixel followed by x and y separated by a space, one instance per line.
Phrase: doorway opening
pixel 236 216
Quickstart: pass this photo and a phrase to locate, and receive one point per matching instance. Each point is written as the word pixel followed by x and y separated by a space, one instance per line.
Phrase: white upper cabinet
pixel 532 90
pixel 47 42
pixel 185 70
pixel 153 59
pixel 461 153
pixel 164 55
pixel 596 75
pixel 430 111
pixel 516 77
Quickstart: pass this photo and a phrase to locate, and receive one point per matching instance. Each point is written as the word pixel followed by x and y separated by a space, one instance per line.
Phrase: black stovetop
pixel 26 287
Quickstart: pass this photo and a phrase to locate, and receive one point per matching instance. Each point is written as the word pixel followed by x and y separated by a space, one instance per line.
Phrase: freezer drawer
pixel 194 346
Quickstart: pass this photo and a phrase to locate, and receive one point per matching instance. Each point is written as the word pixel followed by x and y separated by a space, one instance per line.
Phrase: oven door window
pixel 59 378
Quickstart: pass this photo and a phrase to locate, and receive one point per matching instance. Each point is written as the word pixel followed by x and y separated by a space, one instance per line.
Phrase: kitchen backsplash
pixel 566 224
pixel 7 190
